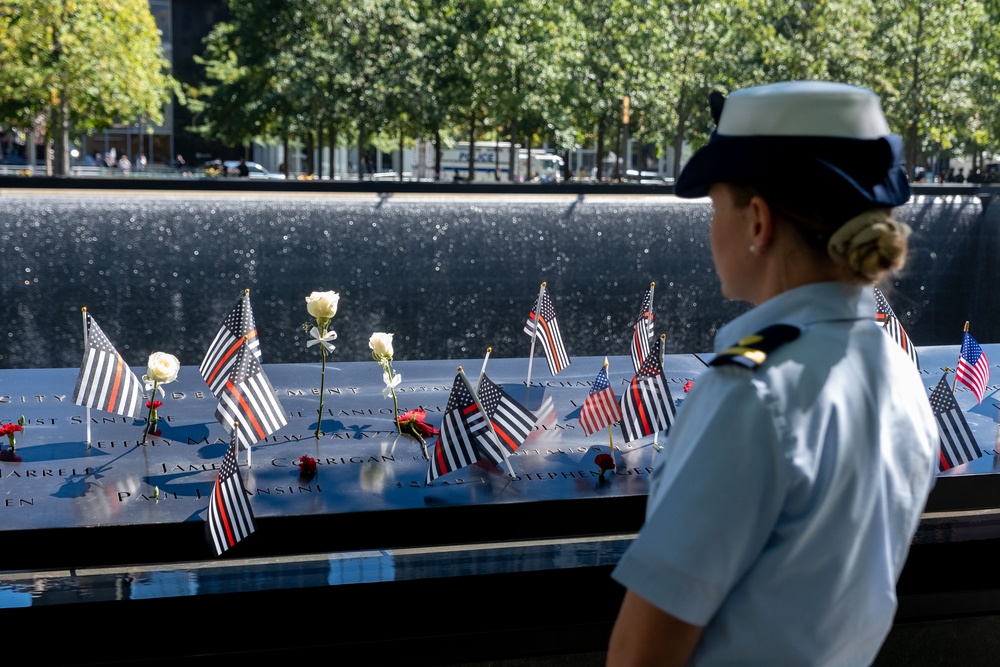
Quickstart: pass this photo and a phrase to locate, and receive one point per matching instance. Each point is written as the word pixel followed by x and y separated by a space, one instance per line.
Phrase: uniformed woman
pixel 794 477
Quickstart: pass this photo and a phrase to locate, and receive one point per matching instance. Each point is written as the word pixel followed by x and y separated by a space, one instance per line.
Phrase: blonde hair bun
pixel 870 245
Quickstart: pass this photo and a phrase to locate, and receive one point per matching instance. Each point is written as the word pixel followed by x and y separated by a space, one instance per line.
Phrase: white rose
pixel 322 304
pixel 162 368
pixel 381 345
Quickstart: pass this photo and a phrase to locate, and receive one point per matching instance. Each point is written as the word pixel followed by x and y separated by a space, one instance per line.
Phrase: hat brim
pixel 857 174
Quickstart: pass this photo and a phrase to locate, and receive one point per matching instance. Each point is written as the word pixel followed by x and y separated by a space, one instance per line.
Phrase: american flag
pixel 230 517
pixel 465 433
pixel 643 331
pixel 958 445
pixel 221 355
pixel 601 407
pixel 647 406
pixel 547 332
pixel 973 367
pixel 248 398
pixel 512 422
pixel 105 382
pixel 886 318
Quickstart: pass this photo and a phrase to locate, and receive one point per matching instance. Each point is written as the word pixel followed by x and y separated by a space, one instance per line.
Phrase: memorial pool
pixel 449 275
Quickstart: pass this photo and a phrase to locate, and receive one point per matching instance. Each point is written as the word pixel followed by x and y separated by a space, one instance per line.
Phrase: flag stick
pixel 652 286
pixel 954 383
pixel 482 371
pixel 85 342
pixel 611 434
pixel 534 332
pixel 479 406
pixel 236 425
pixel 656 436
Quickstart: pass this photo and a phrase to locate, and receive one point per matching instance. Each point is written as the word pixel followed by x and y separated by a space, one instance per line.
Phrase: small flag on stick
pixel 221 356
pixel 886 318
pixel 601 407
pixel 647 406
pixel 230 517
pixel 512 422
pixel 973 367
pixel 642 333
pixel 248 398
pixel 465 434
pixel 105 381
pixel 958 445
pixel 542 325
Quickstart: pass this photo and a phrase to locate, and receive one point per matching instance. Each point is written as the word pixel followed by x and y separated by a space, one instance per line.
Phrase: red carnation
pixel 688 386
pixel 307 465
pixel 605 462
pixel 154 404
pixel 414 421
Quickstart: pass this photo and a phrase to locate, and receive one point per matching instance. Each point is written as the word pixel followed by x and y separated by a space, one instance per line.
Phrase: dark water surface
pixel 449 276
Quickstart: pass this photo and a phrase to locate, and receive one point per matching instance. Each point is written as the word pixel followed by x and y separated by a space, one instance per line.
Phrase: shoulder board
pixel 751 351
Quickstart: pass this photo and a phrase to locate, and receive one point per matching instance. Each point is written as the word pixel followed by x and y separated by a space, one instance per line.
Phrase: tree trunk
pixel 527 167
pixel 437 155
pixel 319 152
pixel 61 131
pixel 600 150
pixel 310 153
pixel 472 147
pixel 679 133
pixel 284 163
pixel 512 158
pixel 333 152
pixel 362 160
pixel 400 154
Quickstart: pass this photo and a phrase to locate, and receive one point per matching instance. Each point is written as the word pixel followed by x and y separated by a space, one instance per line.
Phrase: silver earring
pixel 753 249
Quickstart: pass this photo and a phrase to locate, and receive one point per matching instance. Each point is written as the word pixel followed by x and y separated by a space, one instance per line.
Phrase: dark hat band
pixel 851 174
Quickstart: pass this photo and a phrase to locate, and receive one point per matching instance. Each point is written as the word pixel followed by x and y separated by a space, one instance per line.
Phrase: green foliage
pixel 84 64
pixel 557 71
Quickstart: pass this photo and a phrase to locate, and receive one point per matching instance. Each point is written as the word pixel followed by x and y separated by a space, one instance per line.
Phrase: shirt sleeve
pixel 714 507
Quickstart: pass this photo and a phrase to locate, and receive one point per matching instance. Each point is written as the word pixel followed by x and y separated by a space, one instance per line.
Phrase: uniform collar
pixel 801 307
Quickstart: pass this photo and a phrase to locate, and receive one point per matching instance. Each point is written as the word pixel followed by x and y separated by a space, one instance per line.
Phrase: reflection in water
pixel 449 277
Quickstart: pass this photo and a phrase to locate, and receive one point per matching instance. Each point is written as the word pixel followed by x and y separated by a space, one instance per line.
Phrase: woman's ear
pixel 761 223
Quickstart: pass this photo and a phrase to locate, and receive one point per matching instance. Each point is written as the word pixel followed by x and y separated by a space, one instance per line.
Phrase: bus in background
pixel 492 163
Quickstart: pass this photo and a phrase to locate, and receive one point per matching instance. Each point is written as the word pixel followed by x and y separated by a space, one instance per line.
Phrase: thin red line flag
pixel 886 318
pixel 221 355
pixel 105 381
pixel 601 407
pixel 547 332
pixel 642 332
pixel 647 406
pixel 248 398
pixel 512 422
pixel 230 517
pixel 973 367
pixel 465 434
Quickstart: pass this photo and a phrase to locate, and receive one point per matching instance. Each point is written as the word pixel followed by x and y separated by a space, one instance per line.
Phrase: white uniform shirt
pixel 781 515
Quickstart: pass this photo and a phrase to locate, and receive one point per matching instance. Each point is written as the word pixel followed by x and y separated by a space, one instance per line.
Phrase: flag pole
pixel 656 436
pixel 611 434
pixel 85 342
pixel 479 406
pixel 954 383
pixel 534 333
pixel 482 371
pixel 652 286
pixel 236 426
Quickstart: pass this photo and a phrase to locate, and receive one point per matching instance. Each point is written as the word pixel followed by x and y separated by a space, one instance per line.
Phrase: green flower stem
pixel 386 364
pixel 324 325
pixel 151 418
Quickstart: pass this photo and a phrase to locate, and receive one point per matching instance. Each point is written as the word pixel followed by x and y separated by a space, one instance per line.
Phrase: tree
pixel 72 66
pixel 923 71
